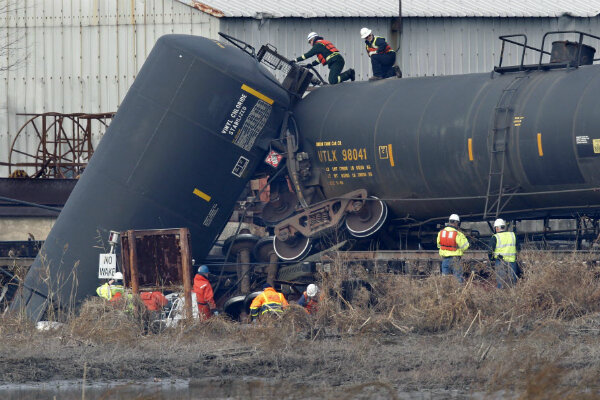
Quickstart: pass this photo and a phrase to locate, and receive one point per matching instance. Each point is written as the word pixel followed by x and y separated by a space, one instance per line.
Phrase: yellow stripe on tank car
pixel 539 140
pixel 391 153
pixel 257 94
pixel 201 194
pixel 470 144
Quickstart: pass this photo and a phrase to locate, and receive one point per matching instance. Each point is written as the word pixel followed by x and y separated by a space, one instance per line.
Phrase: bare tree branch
pixel 12 51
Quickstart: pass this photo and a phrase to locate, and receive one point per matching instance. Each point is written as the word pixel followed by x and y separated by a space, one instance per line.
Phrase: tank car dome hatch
pixel 565 51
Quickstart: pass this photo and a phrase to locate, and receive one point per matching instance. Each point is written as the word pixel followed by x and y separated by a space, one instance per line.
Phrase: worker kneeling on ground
pixel 269 302
pixel 204 293
pixel 503 249
pixel 328 55
pixel 452 244
pixel 111 288
pixel 382 56
pixel 154 301
pixel 309 299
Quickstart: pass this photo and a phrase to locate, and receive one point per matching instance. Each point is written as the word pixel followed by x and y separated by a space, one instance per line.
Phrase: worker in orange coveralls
pixel 154 301
pixel 269 302
pixel 204 293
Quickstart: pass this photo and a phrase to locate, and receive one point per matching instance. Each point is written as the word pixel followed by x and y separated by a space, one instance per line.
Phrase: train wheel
pixel 294 249
pixel 234 307
pixel 368 220
pixel 279 209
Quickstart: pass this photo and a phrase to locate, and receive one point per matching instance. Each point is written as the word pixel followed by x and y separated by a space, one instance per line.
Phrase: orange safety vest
pixel 329 46
pixel 268 301
pixel 387 49
pixel 311 304
pixel 448 240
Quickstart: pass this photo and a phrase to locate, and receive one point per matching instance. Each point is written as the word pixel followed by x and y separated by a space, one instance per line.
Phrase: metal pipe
pixel 272 269
pixel 245 269
pixel 27 203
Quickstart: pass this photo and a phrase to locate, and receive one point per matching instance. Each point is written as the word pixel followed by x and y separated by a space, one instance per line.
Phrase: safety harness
pixel 329 46
pixel 371 46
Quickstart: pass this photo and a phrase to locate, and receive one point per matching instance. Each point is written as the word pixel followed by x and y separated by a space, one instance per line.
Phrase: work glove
pixel 501 258
pixel 294 61
pixel 215 312
pixel 314 63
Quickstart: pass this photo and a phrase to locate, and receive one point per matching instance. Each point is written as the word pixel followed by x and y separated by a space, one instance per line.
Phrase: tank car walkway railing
pixel 573 61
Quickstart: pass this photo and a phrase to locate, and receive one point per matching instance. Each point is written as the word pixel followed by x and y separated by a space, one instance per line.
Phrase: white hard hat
pixel 499 223
pixel 311 36
pixel 364 32
pixel 118 276
pixel 454 217
pixel 311 290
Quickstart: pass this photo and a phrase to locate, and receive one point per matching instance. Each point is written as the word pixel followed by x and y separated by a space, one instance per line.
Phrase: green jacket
pixel 319 49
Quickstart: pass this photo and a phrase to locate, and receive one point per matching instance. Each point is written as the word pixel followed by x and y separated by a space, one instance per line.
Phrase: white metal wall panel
pixel 82 56
pixel 450 46
pixel 289 36
pixel 410 8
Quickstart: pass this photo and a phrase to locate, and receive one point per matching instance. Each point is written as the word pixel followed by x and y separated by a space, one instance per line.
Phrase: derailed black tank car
pixel 185 141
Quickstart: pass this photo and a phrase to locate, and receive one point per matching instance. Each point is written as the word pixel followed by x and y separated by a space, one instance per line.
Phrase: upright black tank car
pixel 521 141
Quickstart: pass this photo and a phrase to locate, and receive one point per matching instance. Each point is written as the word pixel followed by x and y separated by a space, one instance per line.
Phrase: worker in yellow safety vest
pixel 382 56
pixel 112 287
pixel 452 244
pixel 269 302
pixel 503 249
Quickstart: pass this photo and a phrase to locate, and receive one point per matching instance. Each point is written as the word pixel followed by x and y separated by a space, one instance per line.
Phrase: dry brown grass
pixel 99 321
pixel 552 289
pixel 537 338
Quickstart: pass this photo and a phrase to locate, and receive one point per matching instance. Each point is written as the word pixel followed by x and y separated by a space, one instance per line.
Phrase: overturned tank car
pixel 187 138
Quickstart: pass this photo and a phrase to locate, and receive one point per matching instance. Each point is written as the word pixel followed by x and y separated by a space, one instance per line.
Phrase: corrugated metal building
pixel 82 55
pixel 79 56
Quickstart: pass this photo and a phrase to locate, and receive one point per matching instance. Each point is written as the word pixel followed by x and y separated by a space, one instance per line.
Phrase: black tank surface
pixel 186 139
pixel 439 137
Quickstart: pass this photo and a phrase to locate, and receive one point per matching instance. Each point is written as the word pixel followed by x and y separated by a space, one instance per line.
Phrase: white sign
pixel 107 266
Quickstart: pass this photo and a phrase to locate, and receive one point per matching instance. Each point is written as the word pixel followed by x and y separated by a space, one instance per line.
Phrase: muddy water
pixel 218 388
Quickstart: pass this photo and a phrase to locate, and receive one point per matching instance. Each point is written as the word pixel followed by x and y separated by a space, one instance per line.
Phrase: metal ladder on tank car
pixel 498 139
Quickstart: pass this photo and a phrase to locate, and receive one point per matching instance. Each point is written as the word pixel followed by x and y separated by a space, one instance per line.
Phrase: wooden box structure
pixel 159 260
